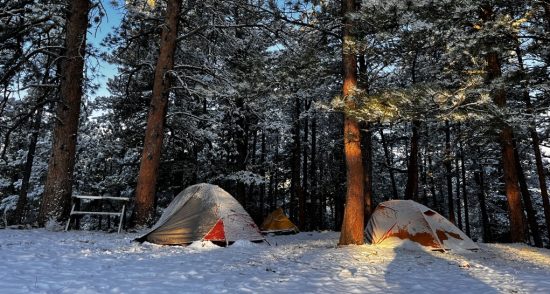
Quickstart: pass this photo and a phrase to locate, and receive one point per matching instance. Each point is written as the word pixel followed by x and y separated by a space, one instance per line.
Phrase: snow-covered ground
pixel 39 261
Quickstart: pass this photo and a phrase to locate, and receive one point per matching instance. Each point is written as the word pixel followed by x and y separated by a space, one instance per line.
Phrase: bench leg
pixel 70 217
pixel 122 215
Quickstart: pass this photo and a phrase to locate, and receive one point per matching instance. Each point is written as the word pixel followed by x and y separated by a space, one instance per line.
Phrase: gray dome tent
pixel 203 212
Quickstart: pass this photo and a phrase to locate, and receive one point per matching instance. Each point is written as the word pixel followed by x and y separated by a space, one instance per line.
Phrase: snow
pixel 41 261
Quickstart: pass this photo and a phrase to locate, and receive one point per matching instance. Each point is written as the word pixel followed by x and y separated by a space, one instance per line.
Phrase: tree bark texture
pixel 154 133
pixel 353 222
pixel 517 231
pixel 531 214
pixel 56 200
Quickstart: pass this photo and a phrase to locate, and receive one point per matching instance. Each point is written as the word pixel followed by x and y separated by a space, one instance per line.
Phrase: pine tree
pixel 353 224
pixel 58 188
pixel 154 133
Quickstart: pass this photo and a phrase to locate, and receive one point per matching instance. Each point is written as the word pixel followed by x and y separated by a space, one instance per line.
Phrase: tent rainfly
pixel 397 220
pixel 203 212
pixel 277 222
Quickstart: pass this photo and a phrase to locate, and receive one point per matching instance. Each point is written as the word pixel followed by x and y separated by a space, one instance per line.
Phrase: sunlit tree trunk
pixel 517 231
pixel 58 187
pixel 511 180
pixel 154 133
pixel 352 226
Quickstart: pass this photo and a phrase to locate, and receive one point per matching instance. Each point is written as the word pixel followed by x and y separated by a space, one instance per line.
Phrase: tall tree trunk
pixel 352 226
pixel 389 165
pixel 457 188
pixel 276 173
pixel 313 174
pixel 263 173
pixel 295 188
pixel 251 199
pixel 448 172
pixel 366 137
pixel 464 190
pixel 367 162
pixel 22 200
pixel 479 178
pixel 536 147
pixel 241 142
pixel 304 196
pixel 27 171
pixel 322 194
pixel 58 187
pixel 542 180
pixel 411 190
pixel 517 231
pixel 424 177
pixel 154 133
pixel 432 183
pixel 531 214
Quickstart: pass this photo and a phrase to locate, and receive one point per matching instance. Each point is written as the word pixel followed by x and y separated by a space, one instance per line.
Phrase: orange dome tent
pixel 394 221
pixel 278 222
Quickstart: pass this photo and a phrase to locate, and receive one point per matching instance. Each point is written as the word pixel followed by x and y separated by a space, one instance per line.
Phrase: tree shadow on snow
pixel 414 270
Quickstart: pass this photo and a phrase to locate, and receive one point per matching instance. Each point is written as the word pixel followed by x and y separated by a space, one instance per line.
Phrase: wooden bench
pixel 120 214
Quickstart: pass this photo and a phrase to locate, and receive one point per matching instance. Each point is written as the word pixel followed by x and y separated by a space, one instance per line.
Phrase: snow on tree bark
pixel 58 188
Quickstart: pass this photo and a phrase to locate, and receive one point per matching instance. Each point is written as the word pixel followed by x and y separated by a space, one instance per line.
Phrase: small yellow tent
pixel 278 222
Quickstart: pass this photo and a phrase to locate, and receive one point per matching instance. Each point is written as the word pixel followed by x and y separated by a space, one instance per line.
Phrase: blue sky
pixel 96 34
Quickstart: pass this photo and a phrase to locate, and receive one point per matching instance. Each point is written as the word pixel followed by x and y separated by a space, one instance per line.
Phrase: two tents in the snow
pixel 207 212
pixel 203 212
